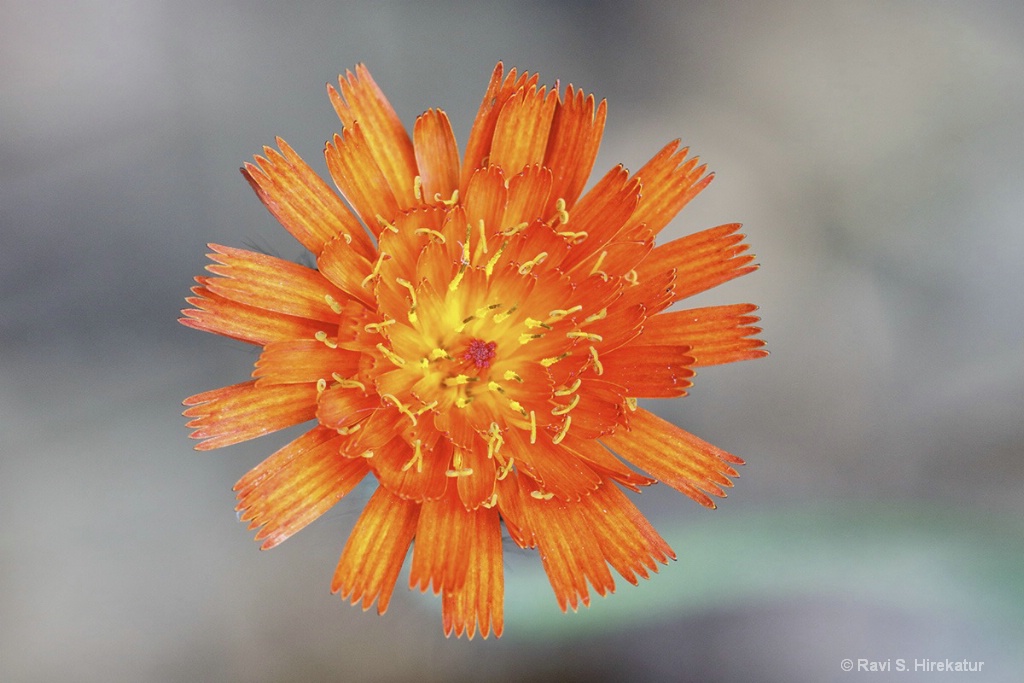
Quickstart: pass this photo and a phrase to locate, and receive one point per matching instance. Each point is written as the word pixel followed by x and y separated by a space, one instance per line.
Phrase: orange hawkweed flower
pixel 475 336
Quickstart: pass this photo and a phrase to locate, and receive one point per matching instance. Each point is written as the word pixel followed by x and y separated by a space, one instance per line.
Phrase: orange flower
pixel 476 337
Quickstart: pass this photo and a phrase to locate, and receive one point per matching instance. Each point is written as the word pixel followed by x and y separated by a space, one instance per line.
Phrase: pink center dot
pixel 480 352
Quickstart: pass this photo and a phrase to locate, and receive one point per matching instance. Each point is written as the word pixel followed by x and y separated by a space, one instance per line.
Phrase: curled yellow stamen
pixel 563 214
pixel 529 265
pixel 632 277
pixel 504 470
pixel 383 256
pixel 433 233
pixel 402 408
pixel 345 383
pixel 452 201
pixel 333 303
pixel 368 453
pixel 631 403
pixel 417 188
pixel 508 232
pixel 416 459
pixel 458 467
pixel 378 327
pixel 600 315
pixel 490 502
pixel 562 410
pixel 391 355
pixel 589 336
pixel 345 431
pixel 429 406
pixel 412 294
pixel 321 386
pixel 570 389
pixel 598 367
pixel 542 495
pixel 574 237
pixel 562 312
pixel 494 440
pixel 563 431
pixel 321 337
pixel 600 260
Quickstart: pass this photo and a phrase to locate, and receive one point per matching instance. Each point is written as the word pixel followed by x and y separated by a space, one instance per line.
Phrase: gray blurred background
pixel 872 149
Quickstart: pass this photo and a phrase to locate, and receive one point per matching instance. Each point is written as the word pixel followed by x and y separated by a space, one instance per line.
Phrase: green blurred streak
pixel 917 556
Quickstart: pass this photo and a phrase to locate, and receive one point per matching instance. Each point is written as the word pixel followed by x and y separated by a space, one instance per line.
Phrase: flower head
pixel 475 337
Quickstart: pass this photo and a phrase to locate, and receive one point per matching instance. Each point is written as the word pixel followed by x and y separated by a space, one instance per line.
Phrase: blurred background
pixel 874 152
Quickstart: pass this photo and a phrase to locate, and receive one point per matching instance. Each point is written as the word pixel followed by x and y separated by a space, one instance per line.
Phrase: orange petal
pixel 601 213
pixel 628 541
pixel 555 469
pixel 440 556
pixel 500 89
pixel 271 283
pixel 245 411
pixel 702 260
pixel 521 131
pixel 510 504
pixel 346 269
pixel 569 550
pixel 714 335
pixel 573 143
pixel 670 181
pixel 675 456
pixel 397 468
pixel 373 557
pixel 297 361
pixel 528 193
pixel 303 203
pixel 362 101
pixel 340 407
pixel 360 179
pixel 604 462
pixel 296 485
pixel 437 155
pixel 475 483
pixel 480 600
pixel 485 201
pixel 220 316
pixel 649 371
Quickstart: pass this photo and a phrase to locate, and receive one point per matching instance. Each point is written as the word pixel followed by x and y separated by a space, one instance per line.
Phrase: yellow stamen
pixel 533 324
pixel 483 235
pixel 433 233
pixel 511 374
pixel 417 188
pixel 333 303
pixel 439 353
pixel 570 389
pixel 368 453
pixel 416 459
pixel 632 277
pixel 494 440
pixel 533 426
pixel 345 431
pixel 574 237
pixel 402 408
pixel 348 383
pixel 563 431
pixel 536 260
pixel 562 312
pixel 454 284
pixel 548 362
pixel 598 367
pixel 447 202
pixel 385 224
pixel 463 401
pixel 383 256
pixel 412 294
pixel 378 327
pixel 321 337
pixel 508 232
pixel 490 502
pixel 489 268
pixel 600 260
pixel 562 410
pixel 458 467
pixel 494 386
pixel 542 495
pixel 459 380
pixel 563 214
pixel 517 406
pixel 502 317
pixel 391 355
pixel 525 338
pixel 504 470
pixel 631 403
pixel 429 406
pixel 589 336
pixel 321 385
pixel 600 315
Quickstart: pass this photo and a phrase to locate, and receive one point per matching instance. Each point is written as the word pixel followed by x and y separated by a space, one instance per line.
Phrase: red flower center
pixel 480 352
